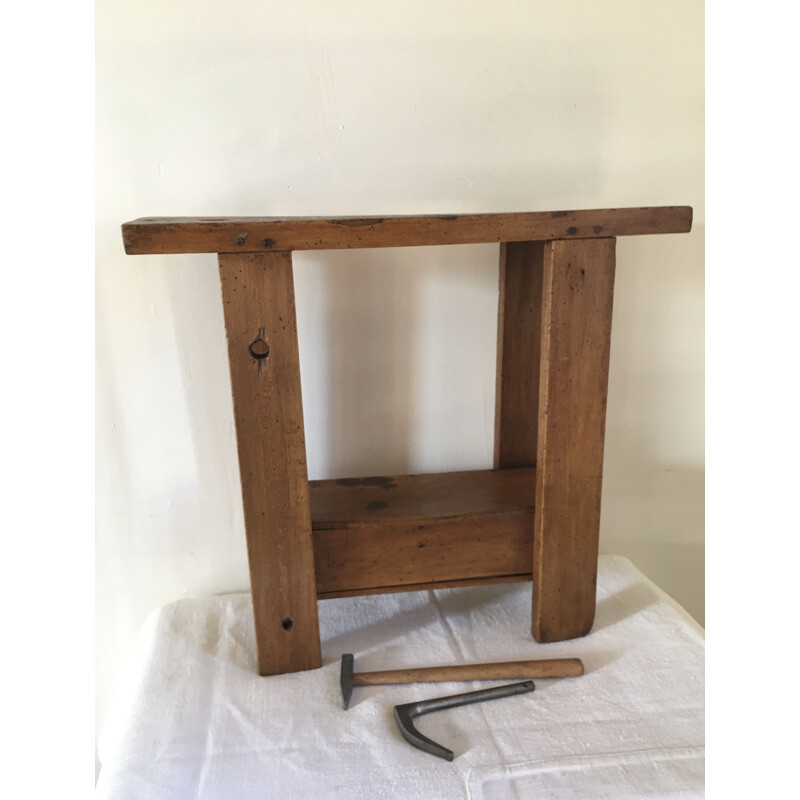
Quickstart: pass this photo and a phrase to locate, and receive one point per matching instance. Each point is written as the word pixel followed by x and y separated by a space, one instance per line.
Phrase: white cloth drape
pixel 195 720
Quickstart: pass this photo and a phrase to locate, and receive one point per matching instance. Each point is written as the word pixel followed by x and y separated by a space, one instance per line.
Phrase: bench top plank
pixel 260 234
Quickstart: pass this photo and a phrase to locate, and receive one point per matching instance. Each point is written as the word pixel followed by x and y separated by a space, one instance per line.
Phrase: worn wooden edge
pixel 148 235
pixel 418 587
pixel 347 524
pixel 429 498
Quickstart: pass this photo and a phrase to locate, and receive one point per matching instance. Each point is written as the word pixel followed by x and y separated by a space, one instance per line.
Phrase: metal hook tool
pixel 406 713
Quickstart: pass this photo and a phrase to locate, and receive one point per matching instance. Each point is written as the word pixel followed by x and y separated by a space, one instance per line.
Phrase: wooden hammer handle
pixel 547 668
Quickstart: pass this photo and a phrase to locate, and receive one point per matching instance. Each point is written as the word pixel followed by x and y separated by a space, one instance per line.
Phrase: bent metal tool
pixel 504 670
pixel 407 713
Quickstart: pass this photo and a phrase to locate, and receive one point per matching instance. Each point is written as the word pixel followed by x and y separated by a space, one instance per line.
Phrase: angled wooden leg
pixel 258 302
pixel 576 330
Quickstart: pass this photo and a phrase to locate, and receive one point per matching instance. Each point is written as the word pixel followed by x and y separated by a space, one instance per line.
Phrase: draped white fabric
pixel 194 719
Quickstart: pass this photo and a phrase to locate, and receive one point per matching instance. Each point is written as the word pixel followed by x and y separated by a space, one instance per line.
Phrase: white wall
pixel 354 107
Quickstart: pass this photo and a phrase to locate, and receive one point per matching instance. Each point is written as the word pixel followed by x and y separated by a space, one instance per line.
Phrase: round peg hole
pixel 259 349
pixel 287 624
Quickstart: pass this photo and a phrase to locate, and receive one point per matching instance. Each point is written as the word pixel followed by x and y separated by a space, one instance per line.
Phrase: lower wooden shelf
pixel 390 534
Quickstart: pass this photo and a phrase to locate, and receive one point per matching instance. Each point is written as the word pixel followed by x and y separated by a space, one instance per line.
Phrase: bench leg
pixel 577 289
pixel 258 303
pixel 519 334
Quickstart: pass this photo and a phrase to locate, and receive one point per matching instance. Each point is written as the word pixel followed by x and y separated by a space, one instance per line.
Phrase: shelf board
pixel 401 533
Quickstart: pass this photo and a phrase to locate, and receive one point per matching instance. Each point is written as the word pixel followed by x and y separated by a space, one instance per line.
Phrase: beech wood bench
pixel 535 515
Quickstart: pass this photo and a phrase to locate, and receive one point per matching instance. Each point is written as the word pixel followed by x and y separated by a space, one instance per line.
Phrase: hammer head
pixel 346 678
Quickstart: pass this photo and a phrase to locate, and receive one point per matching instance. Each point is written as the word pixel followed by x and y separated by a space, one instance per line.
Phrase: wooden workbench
pixel 535 515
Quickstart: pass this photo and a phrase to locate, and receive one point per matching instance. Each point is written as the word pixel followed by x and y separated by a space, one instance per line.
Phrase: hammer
pixel 543 668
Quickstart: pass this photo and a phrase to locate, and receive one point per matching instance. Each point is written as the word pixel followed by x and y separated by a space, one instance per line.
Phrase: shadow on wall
pixel 211 504
pixel 653 514
pixel 397 358
pixel 372 302
pixel 654 481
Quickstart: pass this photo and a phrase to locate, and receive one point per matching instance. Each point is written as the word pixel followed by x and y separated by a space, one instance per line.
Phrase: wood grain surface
pixel 519 333
pixel 353 502
pixel 504 670
pixel 576 330
pixel 263 234
pixel 258 302
pixel 378 534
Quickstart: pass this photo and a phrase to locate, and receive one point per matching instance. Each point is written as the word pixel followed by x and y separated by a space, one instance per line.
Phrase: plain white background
pixel 314 108
pixel 752 427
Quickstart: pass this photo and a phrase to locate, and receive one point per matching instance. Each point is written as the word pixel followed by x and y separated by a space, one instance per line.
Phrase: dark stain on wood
pixel 376 505
pixel 382 481
pixel 358 223
pixel 379 480
pixel 473 525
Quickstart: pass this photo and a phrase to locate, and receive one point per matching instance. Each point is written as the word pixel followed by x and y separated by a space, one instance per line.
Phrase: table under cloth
pixel 195 720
